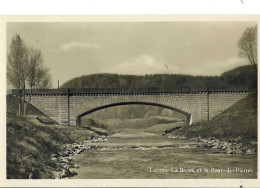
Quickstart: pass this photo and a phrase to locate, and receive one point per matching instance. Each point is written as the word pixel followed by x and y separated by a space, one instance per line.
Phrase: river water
pixel 142 155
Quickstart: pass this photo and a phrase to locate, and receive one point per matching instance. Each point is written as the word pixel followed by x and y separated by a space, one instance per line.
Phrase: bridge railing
pixel 112 90
pixel 98 90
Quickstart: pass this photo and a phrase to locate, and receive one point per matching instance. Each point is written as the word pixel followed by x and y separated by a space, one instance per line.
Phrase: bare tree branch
pixel 248 45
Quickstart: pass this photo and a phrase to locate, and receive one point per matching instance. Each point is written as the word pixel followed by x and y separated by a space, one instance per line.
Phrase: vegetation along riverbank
pixel 39 148
pixel 234 130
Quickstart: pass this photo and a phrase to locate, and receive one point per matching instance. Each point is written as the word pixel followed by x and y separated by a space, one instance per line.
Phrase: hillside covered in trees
pixel 240 78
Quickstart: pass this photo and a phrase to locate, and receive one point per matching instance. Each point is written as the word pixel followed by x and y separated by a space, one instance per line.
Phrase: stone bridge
pixel 68 106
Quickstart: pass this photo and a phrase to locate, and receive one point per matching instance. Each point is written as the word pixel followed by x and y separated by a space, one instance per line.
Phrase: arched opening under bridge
pixel 188 115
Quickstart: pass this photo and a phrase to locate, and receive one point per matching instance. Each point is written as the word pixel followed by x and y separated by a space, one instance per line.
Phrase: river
pixel 141 155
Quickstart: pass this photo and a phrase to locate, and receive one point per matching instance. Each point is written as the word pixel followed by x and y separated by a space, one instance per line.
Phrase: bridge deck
pixel 114 91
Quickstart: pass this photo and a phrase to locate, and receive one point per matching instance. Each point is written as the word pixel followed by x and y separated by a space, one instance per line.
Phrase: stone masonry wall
pixel 195 104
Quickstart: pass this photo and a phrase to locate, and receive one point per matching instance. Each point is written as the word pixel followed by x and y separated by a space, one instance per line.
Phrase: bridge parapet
pixel 113 91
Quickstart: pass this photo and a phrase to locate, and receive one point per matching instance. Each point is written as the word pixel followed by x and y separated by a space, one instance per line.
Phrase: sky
pixel 74 49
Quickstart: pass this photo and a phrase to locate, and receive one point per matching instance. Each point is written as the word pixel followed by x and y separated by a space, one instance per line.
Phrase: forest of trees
pixel 241 78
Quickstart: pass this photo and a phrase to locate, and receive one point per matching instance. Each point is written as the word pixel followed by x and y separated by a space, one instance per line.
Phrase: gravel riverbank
pixel 230 146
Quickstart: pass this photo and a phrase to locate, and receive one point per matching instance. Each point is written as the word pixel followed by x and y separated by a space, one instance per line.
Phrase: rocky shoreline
pixel 65 161
pixel 230 146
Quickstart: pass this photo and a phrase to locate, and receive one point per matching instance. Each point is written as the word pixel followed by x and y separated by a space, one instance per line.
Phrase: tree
pixel 25 68
pixel 38 75
pixel 43 79
pixel 17 63
pixel 35 62
pixel 248 45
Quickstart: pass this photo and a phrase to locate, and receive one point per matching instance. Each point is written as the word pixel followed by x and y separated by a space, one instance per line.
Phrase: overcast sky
pixel 75 49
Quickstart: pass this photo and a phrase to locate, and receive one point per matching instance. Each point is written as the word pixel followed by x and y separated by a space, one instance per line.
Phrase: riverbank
pixel 234 130
pixel 32 146
pixel 65 161
pixel 229 146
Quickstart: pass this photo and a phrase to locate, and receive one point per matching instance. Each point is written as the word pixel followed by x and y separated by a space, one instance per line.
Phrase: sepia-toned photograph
pixel 131 100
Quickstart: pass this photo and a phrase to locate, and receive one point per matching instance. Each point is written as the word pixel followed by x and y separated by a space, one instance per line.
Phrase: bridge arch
pixel 78 117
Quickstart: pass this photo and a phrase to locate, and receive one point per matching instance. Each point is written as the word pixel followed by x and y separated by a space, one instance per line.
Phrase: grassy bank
pixel 30 146
pixel 237 124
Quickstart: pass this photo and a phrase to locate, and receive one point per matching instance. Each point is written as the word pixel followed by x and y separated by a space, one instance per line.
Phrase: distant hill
pixel 241 78
pixel 244 76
